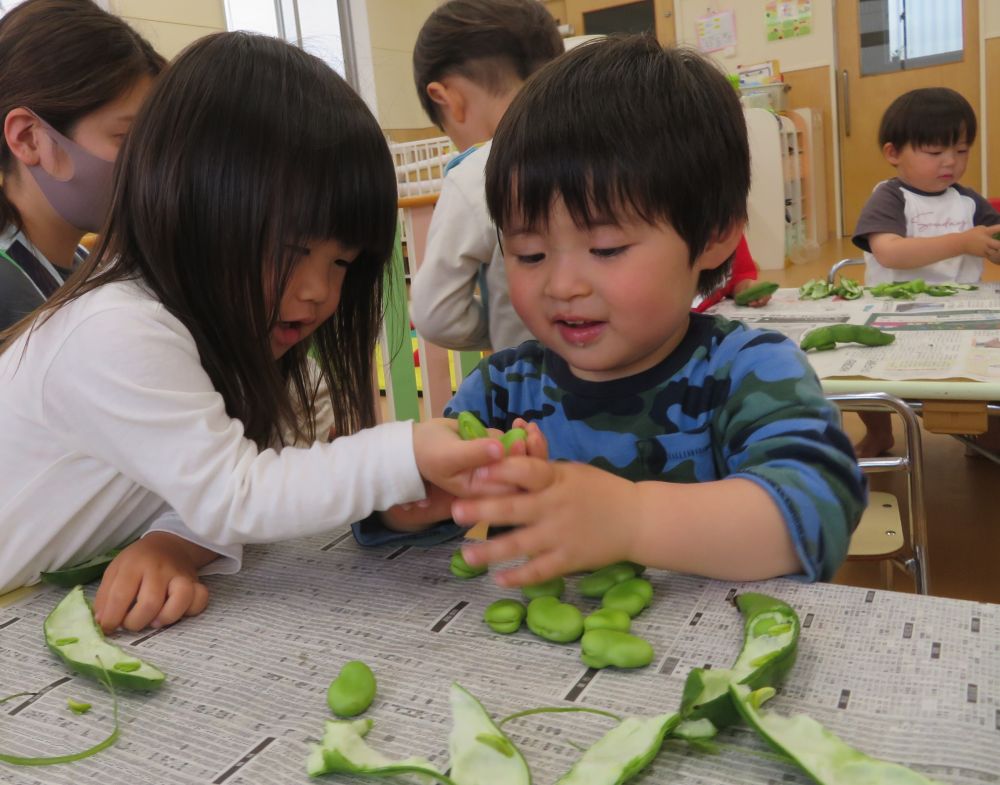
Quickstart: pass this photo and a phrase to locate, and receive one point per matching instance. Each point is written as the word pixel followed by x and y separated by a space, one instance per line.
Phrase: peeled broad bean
pixel 608 619
pixel 512 436
pixel 505 616
pixel 550 588
pixel 460 568
pixel 553 620
pixel 469 426
pixel 599 581
pixel 601 648
pixel 352 691
pixel 630 596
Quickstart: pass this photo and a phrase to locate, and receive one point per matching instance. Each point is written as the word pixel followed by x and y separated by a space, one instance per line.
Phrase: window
pixel 313 25
pixel 901 35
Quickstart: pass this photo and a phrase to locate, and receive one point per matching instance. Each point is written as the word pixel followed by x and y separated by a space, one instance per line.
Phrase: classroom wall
pixel 170 25
pixel 807 63
pixel 393 28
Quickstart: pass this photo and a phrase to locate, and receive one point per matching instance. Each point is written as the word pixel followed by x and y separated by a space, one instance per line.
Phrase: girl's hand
pixel 416 516
pixel 445 460
pixel 571 517
pixel 746 284
pixel 153 582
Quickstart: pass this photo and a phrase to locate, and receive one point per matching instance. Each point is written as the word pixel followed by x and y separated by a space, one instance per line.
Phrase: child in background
pixel 72 77
pixel 742 275
pixel 254 211
pixel 922 223
pixel 619 179
pixel 470 59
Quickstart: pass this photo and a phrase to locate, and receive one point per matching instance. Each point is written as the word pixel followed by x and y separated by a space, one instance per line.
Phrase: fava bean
pixel 460 568
pixel 550 588
pixel 469 426
pixel 599 581
pixel 827 337
pixel 601 648
pixel 352 691
pixel 608 619
pixel 511 437
pixel 755 292
pixel 553 620
pixel 630 596
pixel 505 616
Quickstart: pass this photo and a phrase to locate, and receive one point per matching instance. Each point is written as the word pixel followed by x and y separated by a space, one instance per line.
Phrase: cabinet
pixel 777 222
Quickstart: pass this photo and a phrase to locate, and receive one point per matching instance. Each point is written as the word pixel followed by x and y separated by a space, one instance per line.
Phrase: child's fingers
pixel 538 445
pixel 467 455
pixel 512 545
pixel 180 595
pixel 119 590
pixel 148 602
pixel 528 473
pixel 200 600
pixel 542 567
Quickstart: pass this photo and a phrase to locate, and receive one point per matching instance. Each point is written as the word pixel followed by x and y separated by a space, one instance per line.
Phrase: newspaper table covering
pixel 908 678
pixel 955 337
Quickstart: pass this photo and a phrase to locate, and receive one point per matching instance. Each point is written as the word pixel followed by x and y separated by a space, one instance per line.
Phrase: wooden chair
pixel 880 535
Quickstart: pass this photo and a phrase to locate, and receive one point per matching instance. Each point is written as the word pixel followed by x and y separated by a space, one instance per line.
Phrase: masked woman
pixel 72 77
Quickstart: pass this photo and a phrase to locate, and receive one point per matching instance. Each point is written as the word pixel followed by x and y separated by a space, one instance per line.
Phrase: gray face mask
pixel 82 200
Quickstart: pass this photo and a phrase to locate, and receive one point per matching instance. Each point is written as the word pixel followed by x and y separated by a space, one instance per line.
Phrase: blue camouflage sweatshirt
pixel 730 401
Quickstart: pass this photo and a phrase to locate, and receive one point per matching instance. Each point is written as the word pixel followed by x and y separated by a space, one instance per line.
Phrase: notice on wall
pixel 717 31
pixel 787 18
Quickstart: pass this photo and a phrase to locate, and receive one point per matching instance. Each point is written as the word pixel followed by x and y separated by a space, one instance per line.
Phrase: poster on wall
pixel 787 18
pixel 716 31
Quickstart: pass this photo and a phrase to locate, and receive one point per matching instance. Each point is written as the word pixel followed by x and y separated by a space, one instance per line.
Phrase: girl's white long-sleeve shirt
pixel 108 421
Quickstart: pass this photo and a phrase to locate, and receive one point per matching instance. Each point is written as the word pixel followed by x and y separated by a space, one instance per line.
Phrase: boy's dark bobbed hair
pixel 928 116
pixel 623 127
pixel 489 42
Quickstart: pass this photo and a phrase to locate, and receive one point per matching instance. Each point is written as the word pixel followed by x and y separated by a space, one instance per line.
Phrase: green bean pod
pixel 755 292
pixel 828 336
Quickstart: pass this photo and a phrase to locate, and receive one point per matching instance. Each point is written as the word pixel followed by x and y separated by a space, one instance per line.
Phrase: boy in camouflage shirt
pixel 619 178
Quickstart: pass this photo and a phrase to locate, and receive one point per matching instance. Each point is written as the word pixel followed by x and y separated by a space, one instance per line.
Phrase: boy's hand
pixel 979 242
pixel 571 517
pixel 746 283
pixel 445 460
pixel 154 581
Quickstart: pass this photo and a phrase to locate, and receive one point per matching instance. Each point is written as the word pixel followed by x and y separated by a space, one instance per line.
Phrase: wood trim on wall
pixel 811 90
pixel 992 112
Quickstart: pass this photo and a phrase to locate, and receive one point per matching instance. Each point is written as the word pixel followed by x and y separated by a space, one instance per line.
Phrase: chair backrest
pixel 910 463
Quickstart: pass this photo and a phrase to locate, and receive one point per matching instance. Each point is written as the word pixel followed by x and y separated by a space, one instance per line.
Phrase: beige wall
pixel 393 27
pixel 170 25
pixel 752 45
pixel 990 19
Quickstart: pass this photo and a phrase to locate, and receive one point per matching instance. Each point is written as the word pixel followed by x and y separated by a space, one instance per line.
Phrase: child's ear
pixel 721 247
pixel 449 101
pixel 22 132
pixel 891 153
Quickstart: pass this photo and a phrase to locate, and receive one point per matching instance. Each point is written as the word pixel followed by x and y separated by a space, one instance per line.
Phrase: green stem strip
pixel 557 710
pixel 17 760
pixel 16 695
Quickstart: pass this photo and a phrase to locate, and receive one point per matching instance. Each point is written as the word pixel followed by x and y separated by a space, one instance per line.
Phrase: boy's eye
pixel 342 263
pixel 532 258
pixel 607 253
